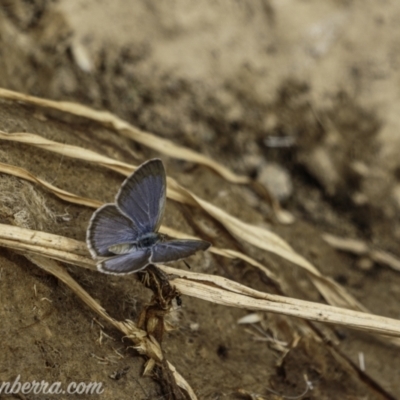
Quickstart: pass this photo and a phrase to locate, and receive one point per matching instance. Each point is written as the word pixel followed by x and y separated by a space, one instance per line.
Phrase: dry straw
pixel 207 287
pixel 262 238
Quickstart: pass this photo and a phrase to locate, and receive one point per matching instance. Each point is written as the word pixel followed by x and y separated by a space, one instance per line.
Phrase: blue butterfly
pixel 123 237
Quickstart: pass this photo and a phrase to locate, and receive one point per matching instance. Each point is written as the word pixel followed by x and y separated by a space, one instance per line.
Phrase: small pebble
pixel 277 180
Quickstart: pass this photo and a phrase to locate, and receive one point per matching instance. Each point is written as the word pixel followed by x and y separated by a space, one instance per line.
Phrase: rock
pixel 321 166
pixel 277 180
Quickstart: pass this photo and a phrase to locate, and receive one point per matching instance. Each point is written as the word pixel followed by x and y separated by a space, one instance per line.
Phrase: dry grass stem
pixel 68 151
pixel 262 238
pixel 62 194
pixel 106 118
pixel 360 248
pixel 207 287
pixel 143 343
pixel 22 173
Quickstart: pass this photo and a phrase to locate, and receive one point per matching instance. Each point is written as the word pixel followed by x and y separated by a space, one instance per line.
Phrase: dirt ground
pixel 300 95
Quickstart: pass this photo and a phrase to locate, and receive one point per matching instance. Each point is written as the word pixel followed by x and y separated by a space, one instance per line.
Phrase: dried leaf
pixel 361 248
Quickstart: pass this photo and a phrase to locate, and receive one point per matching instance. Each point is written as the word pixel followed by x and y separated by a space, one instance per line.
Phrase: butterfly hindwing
pixel 107 227
pixel 125 263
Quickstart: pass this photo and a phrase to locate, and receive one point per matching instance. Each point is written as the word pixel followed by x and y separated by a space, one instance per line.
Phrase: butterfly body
pixel 123 237
pixel 147 240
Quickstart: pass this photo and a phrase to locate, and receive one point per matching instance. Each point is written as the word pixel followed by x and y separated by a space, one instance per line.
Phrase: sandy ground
pixel 301 95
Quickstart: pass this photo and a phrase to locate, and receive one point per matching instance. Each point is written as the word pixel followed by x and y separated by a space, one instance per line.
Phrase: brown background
pixel 221 78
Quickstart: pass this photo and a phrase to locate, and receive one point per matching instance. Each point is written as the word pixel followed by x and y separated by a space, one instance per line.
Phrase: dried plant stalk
pixel 162 146
pixel 62 194
pixel 22 173
pixel 332 292
pixel 210 287
pixel 361 248
pixel 141 340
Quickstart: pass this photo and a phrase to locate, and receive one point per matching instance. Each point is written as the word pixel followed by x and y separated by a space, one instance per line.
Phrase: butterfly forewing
pixel 125 263
pixel 108 227
pixel 142 196
pixel 174 250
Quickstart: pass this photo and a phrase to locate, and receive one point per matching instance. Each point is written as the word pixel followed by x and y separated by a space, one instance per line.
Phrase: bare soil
pixel 230 80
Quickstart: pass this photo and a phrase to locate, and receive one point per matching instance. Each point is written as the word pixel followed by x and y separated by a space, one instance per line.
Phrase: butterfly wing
pixel 142 196
pixel 175 250
pixel 125 263
pixel 108 227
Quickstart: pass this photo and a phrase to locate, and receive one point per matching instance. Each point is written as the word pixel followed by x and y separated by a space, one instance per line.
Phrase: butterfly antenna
pixel 187 265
